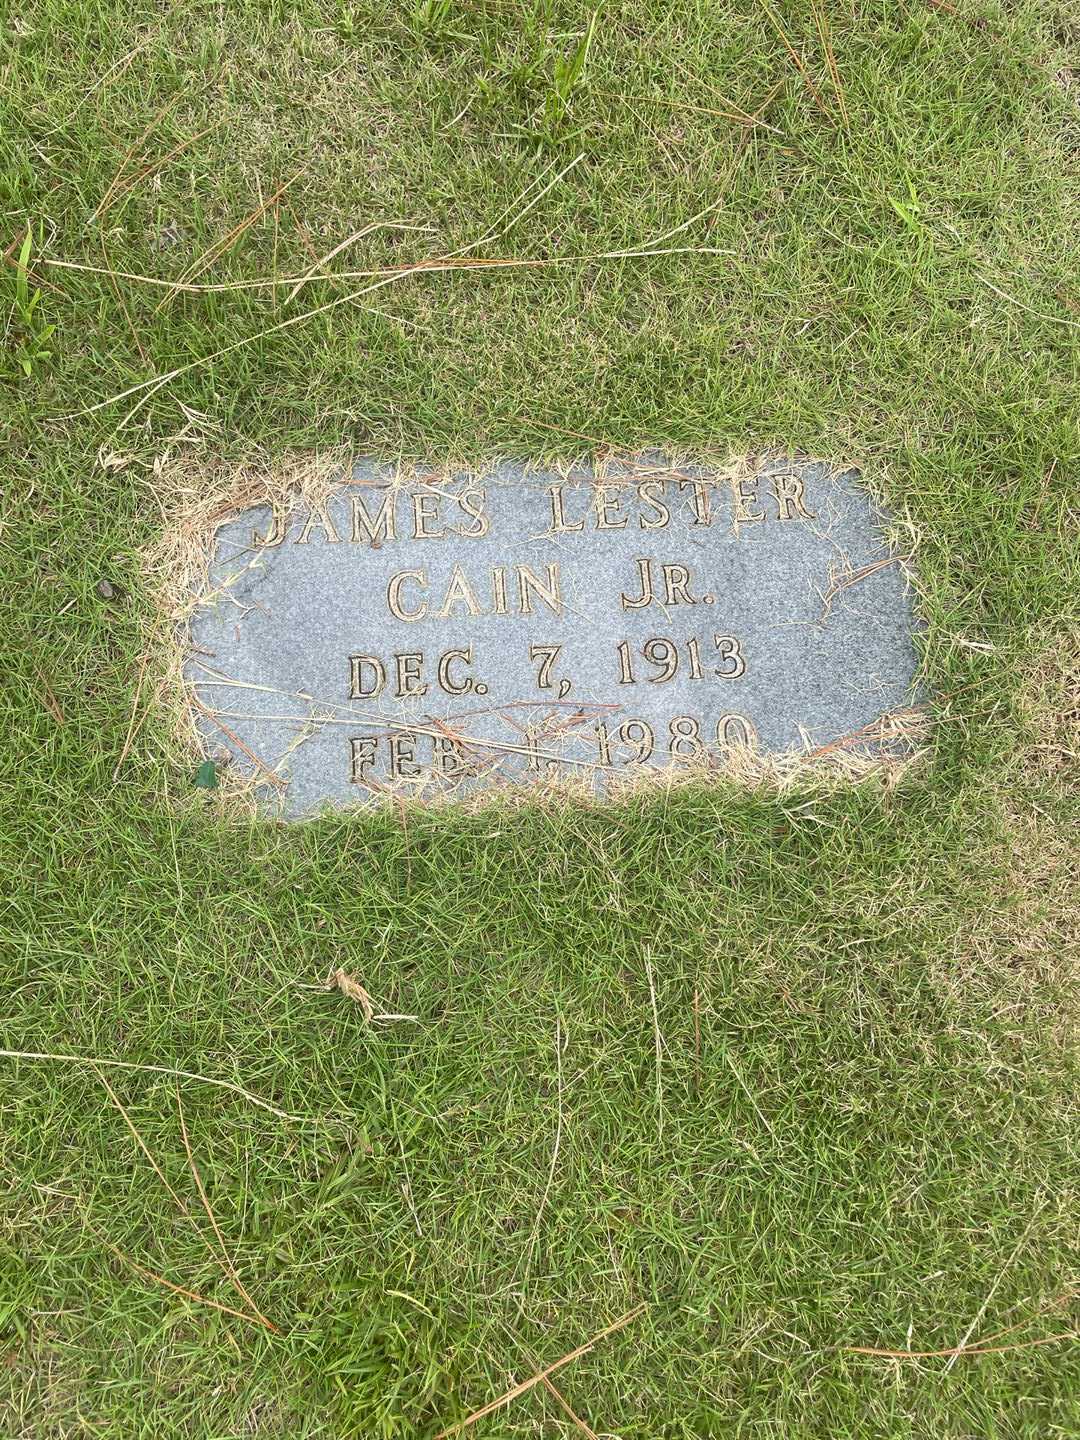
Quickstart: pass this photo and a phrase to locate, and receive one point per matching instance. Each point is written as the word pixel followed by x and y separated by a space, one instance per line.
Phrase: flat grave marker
pixel 432 635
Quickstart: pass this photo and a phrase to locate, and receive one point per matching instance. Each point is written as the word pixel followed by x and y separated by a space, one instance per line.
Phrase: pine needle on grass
pixel 148 171
pixel 225 1257
pixel 135 723
pixel 49 698
pixel 658 1044
pixel 797 60
pixel 986 1346
pixel 177 1200
pixel 817 9
pixel 956 1351
pixel 181 1289
pixel 736 117
pixel 322 261
pixel 153 385
pixel 535 1232
pixel 95 1060
pixel 432 267
pixel 111 190
pixel 215 251
pixel 575 1418
pixel 180 1203
pixel 993 1288
pixel 538 1379
pixel 753 115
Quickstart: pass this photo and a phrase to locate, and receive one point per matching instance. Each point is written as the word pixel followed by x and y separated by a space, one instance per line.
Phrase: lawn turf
pixel 796 1071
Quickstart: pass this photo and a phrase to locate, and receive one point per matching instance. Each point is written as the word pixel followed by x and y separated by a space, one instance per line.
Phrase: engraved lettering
pixel 358 666
pixel 447 756
pixel 645 580
pixel 743 500
pixel 547 655
pixel 426 512
pixel 727 647
pixel 535 761
pixel 700 500
pixel 606 504
pixel 458 592
pixel 362 750
pixel 498 590
pixel 447 683
pixel 549 593
pixel 639 734
pixel 663 514
pixel 472 502
pixel 789 491
pixel 275 535
pixel 483 701
pixel 403 764
pixel 409 667
pixel 376 531
pixel 317 516
pixel 676 579
pixel 559 522
pixel 603 744
pixel 663 654
pixel 393 594
pixel 684 737
pixel 733 731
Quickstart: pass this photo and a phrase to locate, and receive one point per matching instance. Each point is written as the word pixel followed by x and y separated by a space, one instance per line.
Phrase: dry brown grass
pixel 1032 926
pixel 1049 707
pixel 1041 893
pixel 195 497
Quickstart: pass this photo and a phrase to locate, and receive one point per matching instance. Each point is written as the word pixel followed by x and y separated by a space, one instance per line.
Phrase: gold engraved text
pixel 382 528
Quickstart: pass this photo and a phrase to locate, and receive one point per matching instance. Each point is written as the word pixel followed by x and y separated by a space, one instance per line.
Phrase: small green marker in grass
pixel 206 776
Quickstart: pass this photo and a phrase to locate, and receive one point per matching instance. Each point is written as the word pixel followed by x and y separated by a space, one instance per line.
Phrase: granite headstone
pixel 428 634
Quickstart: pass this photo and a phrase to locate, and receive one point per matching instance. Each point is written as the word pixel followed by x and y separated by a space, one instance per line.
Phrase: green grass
pixel 876 1144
